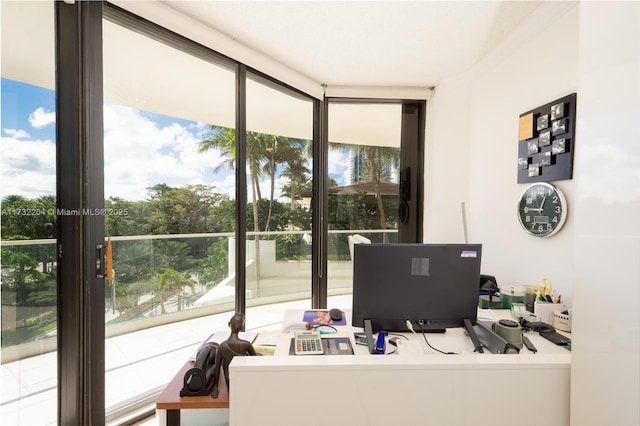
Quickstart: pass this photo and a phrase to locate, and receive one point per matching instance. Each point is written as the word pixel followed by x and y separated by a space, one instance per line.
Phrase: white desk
pixel 430 389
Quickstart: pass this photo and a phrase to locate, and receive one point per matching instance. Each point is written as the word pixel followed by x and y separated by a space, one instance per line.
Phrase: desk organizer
pixel 561 321
pixel 544 310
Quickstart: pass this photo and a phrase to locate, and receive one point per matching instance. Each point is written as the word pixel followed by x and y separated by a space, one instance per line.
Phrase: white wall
pixel 475 148
pixel 447 161
pixel 592 48
pixel 605 382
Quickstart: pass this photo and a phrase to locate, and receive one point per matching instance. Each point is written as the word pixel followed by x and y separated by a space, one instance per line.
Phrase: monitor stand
pixel 430 330
pixel 473 336
pixel 434 330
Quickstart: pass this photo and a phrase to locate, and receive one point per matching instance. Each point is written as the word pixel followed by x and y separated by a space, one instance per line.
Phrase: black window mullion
pixel 80 234
pixel 412 159
pixel 319 203
pixel 241 189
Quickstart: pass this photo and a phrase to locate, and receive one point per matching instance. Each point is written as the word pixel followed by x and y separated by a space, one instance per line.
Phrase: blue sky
pixel 141 149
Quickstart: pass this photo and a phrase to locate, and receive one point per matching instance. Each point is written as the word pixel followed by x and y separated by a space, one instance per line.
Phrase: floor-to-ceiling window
pixel 28 193
pixel 279 186
pixel 171 212
pixel 363 194
pixel 169 144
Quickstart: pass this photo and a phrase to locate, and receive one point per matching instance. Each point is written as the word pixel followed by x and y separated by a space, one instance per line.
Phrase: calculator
pixel 308 343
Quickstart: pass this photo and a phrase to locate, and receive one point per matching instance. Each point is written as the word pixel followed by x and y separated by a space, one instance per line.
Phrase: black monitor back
pixel 432 284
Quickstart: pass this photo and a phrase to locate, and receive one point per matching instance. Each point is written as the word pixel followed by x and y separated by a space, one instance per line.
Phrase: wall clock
pixel 542 209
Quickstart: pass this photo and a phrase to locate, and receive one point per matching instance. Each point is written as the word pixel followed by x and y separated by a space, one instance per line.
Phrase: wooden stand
pixel 171 401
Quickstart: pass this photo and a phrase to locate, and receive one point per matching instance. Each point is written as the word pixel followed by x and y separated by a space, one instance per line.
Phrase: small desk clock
pixel 542 209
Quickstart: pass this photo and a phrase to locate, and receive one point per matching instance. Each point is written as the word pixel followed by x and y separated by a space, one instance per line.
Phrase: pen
pixel 528 344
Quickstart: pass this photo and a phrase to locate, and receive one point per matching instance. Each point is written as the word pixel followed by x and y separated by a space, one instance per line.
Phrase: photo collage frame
pixel 546 140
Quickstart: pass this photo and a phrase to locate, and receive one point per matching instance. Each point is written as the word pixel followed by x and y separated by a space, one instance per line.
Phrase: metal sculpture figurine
pixel 233 346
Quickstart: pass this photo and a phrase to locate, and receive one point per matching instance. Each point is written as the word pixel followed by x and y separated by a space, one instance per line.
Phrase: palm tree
pixel 224 139
pixel 173 254
pixel 297 172
pixel 382 162
pixel 283 151
pixel 377 164
pixel 133 262
pixel 169 282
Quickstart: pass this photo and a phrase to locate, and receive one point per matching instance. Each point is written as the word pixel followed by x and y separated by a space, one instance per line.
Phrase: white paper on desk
pixel 486 314
pixel 267 339
pixel 221 336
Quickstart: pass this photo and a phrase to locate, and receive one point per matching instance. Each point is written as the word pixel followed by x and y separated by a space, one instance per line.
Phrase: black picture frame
pixel 545 138
pixel 550 129
pixel 543 122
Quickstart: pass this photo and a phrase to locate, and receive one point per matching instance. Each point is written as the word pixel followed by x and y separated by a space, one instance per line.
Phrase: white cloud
pixel 338 165
pixel 139 154
pixel 41 118
pixel 227 186
pixel 28 167
pixel 17 134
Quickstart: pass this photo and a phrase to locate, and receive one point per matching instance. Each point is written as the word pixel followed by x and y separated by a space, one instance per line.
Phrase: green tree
pixel 382 163
pixel 169 254
pixel 376 164
pixel 163 286
pixel 224 140
pixel 297 172
pixel 31 218
pixel 223 217
pixel 183 210
pixel 123 217
pixel 132 261
pixel 20 273
pixel 214 267
pixel 281 151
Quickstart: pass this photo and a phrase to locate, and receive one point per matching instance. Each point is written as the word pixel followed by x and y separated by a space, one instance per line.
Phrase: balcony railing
pixel 160 279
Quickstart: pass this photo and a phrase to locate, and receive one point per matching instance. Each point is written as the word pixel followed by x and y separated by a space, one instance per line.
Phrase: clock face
pixel 542 209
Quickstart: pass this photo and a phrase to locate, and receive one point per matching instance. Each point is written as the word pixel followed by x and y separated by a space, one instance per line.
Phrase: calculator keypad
pixel 308 343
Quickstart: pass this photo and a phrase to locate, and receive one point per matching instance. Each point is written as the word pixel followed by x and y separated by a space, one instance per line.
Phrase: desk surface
pixel 453 340
pixel 428 387
pixel 170 398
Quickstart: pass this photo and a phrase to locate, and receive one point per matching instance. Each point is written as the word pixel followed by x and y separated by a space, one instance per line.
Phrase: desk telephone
pixel 198 381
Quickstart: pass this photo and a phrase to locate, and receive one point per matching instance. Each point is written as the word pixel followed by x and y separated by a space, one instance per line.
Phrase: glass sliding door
pixel 169 143
pixel 28 197
pixel 279 170
pixel 363 189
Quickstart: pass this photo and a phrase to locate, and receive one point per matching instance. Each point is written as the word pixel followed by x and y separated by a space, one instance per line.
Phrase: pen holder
pixel 544 310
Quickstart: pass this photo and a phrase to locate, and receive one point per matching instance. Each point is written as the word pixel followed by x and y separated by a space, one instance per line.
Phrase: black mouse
pixel 335 314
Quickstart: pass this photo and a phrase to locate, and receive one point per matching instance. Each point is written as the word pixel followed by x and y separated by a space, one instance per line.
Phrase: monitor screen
pixel 433 285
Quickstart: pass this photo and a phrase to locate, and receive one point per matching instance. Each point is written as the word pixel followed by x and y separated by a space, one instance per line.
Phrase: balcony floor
pixel 29 385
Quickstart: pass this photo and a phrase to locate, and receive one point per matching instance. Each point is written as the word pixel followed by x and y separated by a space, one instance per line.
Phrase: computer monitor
pixel 435 286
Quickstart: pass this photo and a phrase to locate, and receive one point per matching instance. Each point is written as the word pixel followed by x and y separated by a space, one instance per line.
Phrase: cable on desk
pixel 410 327
pixel 318 327
pixel 392 341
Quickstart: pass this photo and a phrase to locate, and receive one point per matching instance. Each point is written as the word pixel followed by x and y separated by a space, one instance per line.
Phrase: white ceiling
pixel 384 44
pixel 366 43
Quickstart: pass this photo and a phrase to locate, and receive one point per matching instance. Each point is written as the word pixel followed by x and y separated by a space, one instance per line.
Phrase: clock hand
pixel 543 200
